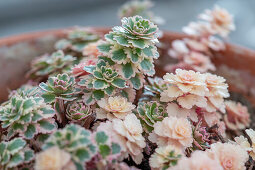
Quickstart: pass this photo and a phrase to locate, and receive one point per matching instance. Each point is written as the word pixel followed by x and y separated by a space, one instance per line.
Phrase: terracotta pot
pixel 236 63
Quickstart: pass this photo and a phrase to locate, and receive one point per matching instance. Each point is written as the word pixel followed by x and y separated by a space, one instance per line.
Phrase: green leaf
pixel 121 40
pixel 104 150
pixel 106 59
pixel 109 90
pixel 29 154
pixel 100 84
pixel 78 166
pixel 25 118
pixel 138 43
pixel 47 111
pixel 104 48
pixel 46 125
pixel 28 104
pixel 98 75
pixel 89 69
pixel 15 145
pixel 2 147
pixel 148 51
pixel 116 148
pixel 43 137
pixel 98 94
pixel 118 55
pixel 48 97
pixel 118 82
pixel 45 87
pixel 30 132
pixel 82 154
pixel 5 158
pixel 15 160
pixel 109 36
pixel 18 126
pixel 136 82
pixel 134 57
pixel 101 137
pixel 146 65
pixel 127 70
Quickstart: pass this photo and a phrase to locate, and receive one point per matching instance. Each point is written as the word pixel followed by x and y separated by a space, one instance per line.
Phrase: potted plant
pixel 115 98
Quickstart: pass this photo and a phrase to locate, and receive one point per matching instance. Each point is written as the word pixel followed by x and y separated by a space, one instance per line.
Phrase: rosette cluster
pixel 27 116
pixel 14 153
pixel 77 39
pixel 53 64
pixel 58 87
pixel 149 113
pixel 141 8
pixel 132 49
pixel 80 113
pixel 74 140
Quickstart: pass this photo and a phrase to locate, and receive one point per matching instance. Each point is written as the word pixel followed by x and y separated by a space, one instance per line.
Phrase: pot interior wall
pixel 235 63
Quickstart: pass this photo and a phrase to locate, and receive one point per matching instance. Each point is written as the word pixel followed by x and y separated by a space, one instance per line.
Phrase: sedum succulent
pixel 103 79
pixel 77 39
pixel 149 113
pixel 27 116
pixel 107 148
pixel 74 140
pixel 139 7
pixel 78 112
pixel 52 64
pixel 132 49
pixel 14 153
pixel 153 88
pixel 165 157
pixel 58 87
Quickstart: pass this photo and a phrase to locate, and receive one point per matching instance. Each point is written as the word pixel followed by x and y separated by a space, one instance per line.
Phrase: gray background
pixel 19 16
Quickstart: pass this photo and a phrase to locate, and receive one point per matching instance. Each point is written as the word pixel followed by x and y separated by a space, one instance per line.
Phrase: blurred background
pixel 20 16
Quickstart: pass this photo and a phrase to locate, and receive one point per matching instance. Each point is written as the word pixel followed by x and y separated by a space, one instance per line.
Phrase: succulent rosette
pixel 27 116
pixel 58 87
pixel 52 64
pixel 80 113
pixel 153 88
pixel 14 153
pixel 149 113
pixel 139 7
pixel 132 47
pixel 165 157
pixel 76 141
pixel 103 80
pixel 77 39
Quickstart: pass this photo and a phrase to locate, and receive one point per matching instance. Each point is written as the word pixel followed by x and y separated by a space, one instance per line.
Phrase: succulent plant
pixel 25 90
pixel 27 116
pixel 152 89
pixel 139 7
pixel 77 39
pixel 78 112
pixel 201 137
pixel 149 113
pixel 53 64
pixel 74 140
pixel 58 87
pixel 14 153
pixel 132 49
pixel 103 79
pixel 106 148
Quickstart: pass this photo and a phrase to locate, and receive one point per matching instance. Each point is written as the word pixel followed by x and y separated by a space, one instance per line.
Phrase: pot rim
pixel 9 40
